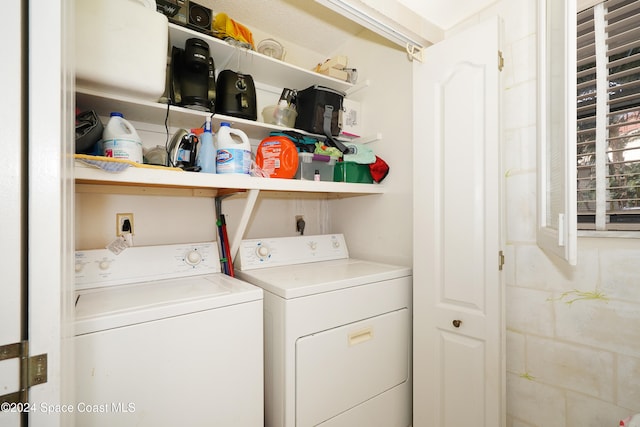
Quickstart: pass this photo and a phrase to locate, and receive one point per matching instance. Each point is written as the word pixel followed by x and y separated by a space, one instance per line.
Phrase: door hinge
pixel 500 61
pixel 33 370
pixel 500 260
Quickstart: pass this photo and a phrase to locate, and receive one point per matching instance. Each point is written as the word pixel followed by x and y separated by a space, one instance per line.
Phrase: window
pixel 608 116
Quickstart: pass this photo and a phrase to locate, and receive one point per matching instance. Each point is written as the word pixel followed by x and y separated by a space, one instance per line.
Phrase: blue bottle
pixel 207 154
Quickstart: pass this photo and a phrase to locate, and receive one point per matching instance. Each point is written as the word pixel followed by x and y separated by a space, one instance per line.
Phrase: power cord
pixel 300 224
pixel 166 128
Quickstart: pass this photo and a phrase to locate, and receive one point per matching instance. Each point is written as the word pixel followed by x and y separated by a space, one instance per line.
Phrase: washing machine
pixel 163 338
pixel 337 333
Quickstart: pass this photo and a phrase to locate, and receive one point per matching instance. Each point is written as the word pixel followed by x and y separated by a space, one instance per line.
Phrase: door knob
pixel 457 323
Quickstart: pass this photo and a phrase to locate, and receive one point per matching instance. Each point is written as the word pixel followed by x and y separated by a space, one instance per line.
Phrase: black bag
pixel 320 112
pixel 88 131
pixel 312 103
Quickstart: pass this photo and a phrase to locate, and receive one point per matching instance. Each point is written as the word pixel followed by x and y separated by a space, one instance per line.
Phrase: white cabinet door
pixel 458 320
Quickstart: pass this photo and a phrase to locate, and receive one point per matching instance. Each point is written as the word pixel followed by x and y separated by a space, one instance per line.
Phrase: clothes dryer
pixel 162 338
pixel 337 333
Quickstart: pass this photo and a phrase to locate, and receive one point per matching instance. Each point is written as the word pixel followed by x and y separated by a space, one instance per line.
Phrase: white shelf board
pixel 261 67
pixel 134 176
pixel 138 110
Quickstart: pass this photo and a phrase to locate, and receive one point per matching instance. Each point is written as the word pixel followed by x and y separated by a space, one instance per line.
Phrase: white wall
pixel 379 227
pixel 376 226
pixel 568 364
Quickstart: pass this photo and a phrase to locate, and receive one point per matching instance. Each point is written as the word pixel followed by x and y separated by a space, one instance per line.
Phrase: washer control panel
pixel 276 251
pixel 101 267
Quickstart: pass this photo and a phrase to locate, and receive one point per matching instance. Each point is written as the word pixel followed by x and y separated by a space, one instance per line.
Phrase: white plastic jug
pixel 120 139
pixel 233 155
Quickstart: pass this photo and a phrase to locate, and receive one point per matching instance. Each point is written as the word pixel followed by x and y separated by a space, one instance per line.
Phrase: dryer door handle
pixel 360 336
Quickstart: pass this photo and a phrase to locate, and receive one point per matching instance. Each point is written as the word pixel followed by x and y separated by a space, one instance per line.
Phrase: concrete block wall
pixel 572 359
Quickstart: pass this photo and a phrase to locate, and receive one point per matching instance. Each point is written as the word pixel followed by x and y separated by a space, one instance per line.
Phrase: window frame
pixel 556 231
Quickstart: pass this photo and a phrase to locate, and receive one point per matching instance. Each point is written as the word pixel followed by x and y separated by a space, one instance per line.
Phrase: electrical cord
pixel 166 128
pixel 300 224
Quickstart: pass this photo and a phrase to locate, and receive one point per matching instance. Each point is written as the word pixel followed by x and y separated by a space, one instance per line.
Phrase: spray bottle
pixel 207 154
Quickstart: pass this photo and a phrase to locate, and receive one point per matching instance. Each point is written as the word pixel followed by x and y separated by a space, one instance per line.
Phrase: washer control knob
pixel 79 267
pixel 104 264
pixel 262 251
pixel 193 257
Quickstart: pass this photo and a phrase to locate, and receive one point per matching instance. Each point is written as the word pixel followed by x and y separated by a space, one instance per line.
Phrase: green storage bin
pixel 352 172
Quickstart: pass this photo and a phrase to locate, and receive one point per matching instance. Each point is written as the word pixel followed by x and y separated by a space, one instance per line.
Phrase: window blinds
pixel 608 105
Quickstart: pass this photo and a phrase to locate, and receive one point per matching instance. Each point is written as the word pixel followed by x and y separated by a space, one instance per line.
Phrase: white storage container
pixel 121 47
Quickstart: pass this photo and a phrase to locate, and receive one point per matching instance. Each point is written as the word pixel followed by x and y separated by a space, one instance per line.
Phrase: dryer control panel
pixel 277 251
pixel 101 267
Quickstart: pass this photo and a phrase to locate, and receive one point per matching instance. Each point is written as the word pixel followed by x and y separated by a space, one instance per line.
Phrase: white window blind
pixel 608 110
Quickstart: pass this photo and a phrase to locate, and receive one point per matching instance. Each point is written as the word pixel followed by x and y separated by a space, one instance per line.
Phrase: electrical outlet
pixel 124 223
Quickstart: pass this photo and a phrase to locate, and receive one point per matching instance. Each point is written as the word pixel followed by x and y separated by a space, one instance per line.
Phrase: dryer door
pixel 340 368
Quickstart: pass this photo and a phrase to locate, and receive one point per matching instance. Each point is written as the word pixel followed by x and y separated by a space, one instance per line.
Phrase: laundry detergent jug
pixel 120 139
pixel 233 153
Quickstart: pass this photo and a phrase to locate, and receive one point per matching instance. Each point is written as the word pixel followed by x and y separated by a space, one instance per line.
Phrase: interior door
pixel 11 183
pixel 32 208
pixel 458 319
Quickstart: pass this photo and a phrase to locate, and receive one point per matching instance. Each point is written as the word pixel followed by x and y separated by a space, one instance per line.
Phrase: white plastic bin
pixel 121 48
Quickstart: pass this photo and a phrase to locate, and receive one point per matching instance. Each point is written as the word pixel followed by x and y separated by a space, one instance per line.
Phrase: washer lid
pixel 116 306
pixel 293 281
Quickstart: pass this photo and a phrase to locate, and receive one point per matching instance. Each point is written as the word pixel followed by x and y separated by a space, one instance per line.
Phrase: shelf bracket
pixel 252 196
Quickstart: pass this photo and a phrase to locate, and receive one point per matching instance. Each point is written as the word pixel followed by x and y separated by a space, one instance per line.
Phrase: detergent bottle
pixel 207 154
pixel 234 150
pixel 120 139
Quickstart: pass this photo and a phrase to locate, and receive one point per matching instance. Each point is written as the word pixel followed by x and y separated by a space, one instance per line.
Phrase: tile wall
pixel 573 359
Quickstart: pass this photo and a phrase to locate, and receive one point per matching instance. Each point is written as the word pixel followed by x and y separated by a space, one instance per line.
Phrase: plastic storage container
pixel 120 139
pixel 281 115
pixel 121 48
pixel 352 172
pixel 310 165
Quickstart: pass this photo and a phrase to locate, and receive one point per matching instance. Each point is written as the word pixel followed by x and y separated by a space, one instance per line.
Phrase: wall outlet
pixel 124 223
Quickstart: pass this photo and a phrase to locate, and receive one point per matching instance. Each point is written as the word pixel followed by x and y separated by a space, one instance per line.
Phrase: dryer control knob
pixel 104 264
pixel 193 257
